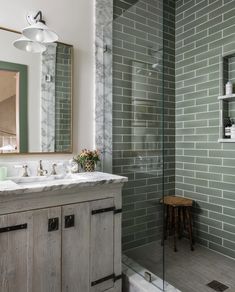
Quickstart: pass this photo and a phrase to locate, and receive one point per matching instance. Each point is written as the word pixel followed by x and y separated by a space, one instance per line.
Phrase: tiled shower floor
pixel 186 270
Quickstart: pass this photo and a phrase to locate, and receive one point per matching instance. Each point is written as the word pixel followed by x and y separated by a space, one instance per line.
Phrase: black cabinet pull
pixel 13 228
pixel 103 210
pixel 69 221
pixel 110 277
pixel 53 224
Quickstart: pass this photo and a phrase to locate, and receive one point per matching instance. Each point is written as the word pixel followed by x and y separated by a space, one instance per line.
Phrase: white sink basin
pixel 46 179
pixel 35 179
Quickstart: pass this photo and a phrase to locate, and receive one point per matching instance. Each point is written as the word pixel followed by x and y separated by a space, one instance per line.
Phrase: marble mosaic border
pixel 103 81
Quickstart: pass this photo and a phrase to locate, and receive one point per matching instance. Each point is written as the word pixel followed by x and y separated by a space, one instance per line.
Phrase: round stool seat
pixel 177 201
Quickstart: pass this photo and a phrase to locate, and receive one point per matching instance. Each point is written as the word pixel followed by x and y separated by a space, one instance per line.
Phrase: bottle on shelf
pixel 227 127
pixel 229 88
pixel 233 130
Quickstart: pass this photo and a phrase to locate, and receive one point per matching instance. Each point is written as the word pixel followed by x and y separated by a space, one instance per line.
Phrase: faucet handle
pixel 45 172
pixel 53 172
pixel 25 167
pixel 25 171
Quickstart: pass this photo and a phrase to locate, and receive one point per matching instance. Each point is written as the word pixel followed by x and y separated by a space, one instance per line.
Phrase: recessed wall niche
pixel 227 102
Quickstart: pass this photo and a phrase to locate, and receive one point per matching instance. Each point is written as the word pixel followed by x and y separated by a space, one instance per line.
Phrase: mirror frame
pixel 23 118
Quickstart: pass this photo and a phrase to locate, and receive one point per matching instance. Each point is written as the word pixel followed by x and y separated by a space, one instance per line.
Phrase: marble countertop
pixel 86 179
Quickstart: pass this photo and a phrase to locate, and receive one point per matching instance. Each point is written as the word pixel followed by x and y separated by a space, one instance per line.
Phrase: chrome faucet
pixel 41 171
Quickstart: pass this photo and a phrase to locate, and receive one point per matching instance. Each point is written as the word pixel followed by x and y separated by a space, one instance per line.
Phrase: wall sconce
pixel 38 31
pixel 27 45
pixel 35 35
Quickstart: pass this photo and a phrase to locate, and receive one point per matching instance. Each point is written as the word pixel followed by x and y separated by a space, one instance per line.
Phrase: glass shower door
pixel 134 93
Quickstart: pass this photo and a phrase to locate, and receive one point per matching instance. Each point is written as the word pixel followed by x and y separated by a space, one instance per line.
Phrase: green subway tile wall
pixel 138 113
pixel 205 169
pixel 63 99
pixel 120 6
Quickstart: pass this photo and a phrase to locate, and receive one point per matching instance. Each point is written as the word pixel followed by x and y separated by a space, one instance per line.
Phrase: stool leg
pixel 170 223
pixel 181 221
pixel 190 229
pixel 165 224
pixel 176 223
pixel 184 217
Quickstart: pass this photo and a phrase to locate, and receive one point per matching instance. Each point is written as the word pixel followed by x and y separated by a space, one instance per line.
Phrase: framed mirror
pixel 35 98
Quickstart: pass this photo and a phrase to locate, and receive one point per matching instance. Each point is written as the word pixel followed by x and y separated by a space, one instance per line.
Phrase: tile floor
pixel 186 270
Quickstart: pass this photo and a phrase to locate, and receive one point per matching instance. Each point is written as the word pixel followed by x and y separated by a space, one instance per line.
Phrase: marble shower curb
pixel 134 280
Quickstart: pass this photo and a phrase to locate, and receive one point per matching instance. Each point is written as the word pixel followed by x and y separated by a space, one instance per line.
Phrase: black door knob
pixel 53 224
pixel 69 221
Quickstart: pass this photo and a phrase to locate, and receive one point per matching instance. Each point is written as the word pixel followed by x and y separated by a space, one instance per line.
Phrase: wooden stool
pixel 178 217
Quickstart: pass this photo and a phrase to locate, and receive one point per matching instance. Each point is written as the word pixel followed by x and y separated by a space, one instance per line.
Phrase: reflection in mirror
pixel 9 97
pixel 35 98
pixel 13 108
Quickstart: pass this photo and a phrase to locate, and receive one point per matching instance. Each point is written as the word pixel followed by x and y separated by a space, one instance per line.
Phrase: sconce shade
pixel 27 45
pixel 39 32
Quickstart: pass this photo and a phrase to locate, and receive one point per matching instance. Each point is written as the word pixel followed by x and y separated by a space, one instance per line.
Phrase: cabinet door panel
pixel 75 248
pixel 15 253
pixel 46 252
pixel 102 245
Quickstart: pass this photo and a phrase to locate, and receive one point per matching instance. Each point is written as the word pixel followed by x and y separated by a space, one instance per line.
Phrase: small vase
pixel 74 167
pixel 89 166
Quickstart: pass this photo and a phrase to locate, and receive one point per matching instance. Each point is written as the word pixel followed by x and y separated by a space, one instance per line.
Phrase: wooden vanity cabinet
pixel 102 245
pixel 75 247
pixel 30 255
pixel 67 248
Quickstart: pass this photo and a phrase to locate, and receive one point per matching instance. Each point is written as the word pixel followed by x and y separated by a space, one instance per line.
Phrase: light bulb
pixel 29 47
pixel 39 36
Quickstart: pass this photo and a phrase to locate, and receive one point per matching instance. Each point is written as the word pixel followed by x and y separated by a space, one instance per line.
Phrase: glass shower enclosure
pixel 136 60
pixel 144 63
